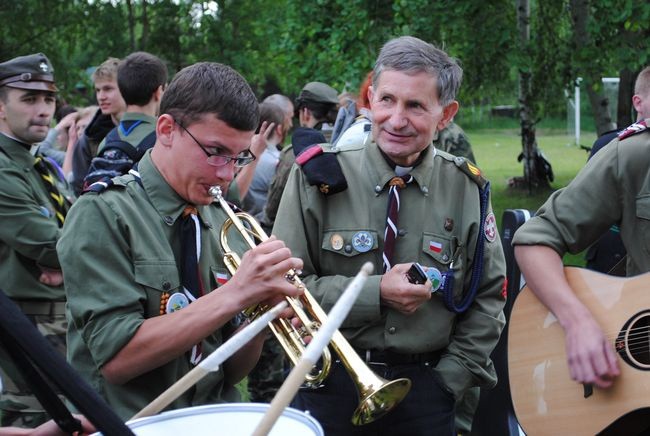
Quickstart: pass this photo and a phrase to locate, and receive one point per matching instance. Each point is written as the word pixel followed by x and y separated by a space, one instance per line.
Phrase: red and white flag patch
pixel 435 246
pixel 222 278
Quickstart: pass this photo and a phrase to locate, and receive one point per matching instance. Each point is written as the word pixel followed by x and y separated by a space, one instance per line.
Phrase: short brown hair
pixel 107 70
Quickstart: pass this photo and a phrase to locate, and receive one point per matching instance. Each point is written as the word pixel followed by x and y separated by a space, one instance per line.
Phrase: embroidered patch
pixel 435 246
pixel 222 278
pixel 490 227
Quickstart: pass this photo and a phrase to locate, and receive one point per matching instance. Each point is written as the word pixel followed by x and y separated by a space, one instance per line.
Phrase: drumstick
pixel 314 350
pixel 212 362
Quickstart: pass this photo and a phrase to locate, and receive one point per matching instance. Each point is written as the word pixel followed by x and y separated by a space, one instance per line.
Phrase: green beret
pixel 28 72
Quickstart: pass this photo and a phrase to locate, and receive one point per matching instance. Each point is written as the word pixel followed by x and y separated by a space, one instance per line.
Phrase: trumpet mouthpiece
pixel 215 191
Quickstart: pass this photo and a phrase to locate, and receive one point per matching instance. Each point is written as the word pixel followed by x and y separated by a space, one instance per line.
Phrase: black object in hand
pixel 416 274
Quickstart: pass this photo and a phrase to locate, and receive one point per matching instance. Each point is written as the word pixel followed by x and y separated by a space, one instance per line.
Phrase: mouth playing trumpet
pixel 377 395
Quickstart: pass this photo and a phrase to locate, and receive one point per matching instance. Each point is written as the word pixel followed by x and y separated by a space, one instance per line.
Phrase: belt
pixel 391 358
pixel 41 307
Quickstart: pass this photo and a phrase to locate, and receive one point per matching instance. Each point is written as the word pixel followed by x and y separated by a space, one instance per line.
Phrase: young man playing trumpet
pixel 140 315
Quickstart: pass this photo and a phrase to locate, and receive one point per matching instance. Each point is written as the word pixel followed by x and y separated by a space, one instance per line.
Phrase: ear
pixel 165 130
pixel 636 102
pixel 448 113
pixel 371 93
pixel 158 93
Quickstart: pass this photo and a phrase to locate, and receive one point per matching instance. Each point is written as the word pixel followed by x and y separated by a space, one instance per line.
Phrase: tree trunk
pixel 144 39
pixel 533 179
pixel 129 8
pixel 625 91
pixel 591 78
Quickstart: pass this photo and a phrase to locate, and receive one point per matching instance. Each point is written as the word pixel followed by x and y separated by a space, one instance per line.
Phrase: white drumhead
pixel 224 419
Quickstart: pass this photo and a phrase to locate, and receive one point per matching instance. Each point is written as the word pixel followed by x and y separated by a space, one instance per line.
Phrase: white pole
pixel 577 110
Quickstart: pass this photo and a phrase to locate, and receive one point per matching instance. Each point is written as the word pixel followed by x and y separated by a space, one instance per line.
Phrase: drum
pixel 224 419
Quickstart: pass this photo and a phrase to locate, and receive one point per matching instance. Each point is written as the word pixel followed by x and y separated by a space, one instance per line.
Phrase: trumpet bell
pixel 375 403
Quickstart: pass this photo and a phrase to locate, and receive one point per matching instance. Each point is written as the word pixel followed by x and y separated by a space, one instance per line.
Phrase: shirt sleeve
pixel 576 216
pixel 27 228
pixel 104 301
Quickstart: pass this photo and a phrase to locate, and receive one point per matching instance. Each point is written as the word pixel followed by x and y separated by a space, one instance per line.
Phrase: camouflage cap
pixel 318 92
pixel 28 72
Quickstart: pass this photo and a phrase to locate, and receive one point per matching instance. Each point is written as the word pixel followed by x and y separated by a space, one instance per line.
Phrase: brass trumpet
pixel 377 395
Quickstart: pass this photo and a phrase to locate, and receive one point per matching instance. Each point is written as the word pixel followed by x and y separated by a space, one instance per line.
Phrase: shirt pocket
pixel 442 249
pixel 349 243
pixel 157 277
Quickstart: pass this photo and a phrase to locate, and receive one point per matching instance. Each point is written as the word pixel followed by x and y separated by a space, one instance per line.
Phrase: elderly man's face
pixel 25 114
pixel 406 114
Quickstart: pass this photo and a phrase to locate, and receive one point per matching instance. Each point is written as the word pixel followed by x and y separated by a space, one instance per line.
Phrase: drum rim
pixel 289 412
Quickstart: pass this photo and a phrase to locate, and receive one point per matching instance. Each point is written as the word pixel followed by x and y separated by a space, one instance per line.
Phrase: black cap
pixel 318 92
pixel 28 72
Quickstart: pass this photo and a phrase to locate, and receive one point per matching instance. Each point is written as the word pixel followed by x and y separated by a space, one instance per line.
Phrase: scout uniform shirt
pixel 613 188
pixel 29 229
pixel 438 224
pixel 120 255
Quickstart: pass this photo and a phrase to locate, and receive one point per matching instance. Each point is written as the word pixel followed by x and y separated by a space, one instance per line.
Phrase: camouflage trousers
pixel 268 375
pixel 18 406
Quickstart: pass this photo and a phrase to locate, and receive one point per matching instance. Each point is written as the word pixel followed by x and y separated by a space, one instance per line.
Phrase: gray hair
pixel 280 100
pixel 410 54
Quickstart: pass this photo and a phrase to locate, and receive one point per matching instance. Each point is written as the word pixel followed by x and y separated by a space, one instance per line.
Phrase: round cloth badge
pixel 362 241
pixel 490 227
pixel 336 241
pixel 176 301
pixel 435 277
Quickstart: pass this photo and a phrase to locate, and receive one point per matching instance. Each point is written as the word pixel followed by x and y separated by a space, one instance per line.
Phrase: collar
pixel 137 116
pixel 381 171
pixel 18 151
pixel 164 199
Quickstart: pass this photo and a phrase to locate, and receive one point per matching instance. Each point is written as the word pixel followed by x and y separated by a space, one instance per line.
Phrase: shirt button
pixel 425 190
pixel 445 258
pixel 166 286
pixel 401 232
pixel 377 188
pixel 392 330
pixel 168 219
pixel 348 248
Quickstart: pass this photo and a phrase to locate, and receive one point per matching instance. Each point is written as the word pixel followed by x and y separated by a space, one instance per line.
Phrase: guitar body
pixel 545 399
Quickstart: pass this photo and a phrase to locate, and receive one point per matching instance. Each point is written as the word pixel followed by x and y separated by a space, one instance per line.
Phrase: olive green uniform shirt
pixel 137 133
pixel 441 207
pixel 29 229
pixel 613 188
pixel 120 252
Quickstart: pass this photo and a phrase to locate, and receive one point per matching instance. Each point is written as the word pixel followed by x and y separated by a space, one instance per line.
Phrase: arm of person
pixel 260 277
pixel 258 145
pixel 26 228
pixel 590 355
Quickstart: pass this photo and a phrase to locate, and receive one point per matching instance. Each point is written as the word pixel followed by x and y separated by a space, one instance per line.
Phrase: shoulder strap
pixel 113 141
pixel 633 129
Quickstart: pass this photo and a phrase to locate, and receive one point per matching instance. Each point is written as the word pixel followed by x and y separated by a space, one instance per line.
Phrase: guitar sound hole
pixel 633 341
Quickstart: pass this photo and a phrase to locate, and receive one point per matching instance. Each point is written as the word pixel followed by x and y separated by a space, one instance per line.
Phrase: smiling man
pixel 143 317
pixel 33 205
pixel 438 335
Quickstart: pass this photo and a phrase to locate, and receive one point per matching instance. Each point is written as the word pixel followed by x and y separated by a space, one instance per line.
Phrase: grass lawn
pixel 496 152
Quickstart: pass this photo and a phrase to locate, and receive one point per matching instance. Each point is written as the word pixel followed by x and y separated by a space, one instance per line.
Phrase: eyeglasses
pixel 218 160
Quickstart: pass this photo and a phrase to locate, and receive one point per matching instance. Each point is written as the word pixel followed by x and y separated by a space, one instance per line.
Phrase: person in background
pixel 34 201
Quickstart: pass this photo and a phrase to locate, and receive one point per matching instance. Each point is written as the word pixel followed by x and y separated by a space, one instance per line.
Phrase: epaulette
pixel 471 170
pixel 318 161
pixel 633 129
pixel 104 184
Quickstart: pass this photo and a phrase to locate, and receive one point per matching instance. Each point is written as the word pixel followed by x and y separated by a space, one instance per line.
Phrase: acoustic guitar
pixel 546 400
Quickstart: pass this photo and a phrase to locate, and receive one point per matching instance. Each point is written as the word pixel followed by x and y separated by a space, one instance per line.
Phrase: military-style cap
pixel 318 92
pixel 28 72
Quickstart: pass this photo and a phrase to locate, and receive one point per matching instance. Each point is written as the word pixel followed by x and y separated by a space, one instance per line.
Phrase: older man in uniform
pixel 33 205
pixel 151 296
pixel 405 202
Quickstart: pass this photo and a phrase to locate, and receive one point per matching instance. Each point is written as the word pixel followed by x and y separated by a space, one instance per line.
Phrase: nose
pixel 398 119
pixel 226 172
